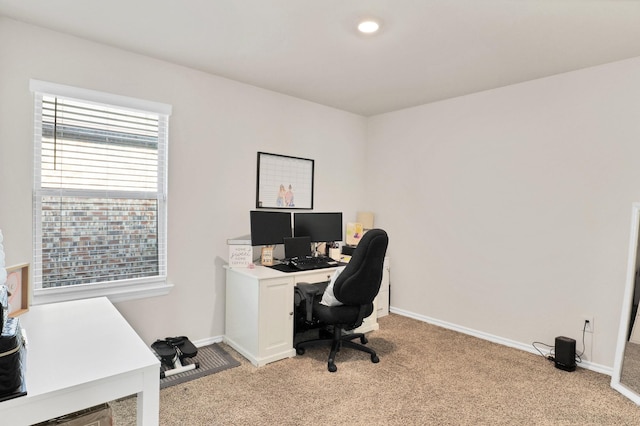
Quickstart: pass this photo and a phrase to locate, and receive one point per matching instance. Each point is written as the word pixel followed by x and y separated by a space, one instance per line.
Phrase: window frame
pixel 120 290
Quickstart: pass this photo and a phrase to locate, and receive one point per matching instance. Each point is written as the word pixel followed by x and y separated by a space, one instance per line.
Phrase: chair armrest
pixel 308 292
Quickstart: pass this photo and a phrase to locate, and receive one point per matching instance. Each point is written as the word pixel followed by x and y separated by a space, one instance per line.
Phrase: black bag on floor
pixel 12 354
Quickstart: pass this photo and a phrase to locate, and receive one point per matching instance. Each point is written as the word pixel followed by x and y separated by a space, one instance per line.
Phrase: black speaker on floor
pixel 565 354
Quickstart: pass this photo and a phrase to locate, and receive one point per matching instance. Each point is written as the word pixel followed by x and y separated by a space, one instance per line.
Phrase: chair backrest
pixel 360 281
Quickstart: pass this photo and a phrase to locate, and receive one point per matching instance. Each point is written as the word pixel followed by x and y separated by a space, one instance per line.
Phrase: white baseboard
pixel 492 338
pixel 208 341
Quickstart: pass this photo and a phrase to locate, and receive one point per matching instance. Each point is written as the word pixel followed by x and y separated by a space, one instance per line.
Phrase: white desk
pixel 259 311
pixel 80 354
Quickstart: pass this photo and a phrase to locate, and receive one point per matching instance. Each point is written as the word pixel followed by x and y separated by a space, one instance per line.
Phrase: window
pixel 100 199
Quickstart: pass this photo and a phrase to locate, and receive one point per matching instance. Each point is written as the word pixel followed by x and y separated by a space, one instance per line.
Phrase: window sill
pixel 116 292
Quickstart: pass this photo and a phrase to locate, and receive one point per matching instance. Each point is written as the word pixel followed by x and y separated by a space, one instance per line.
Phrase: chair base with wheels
pixel 337 342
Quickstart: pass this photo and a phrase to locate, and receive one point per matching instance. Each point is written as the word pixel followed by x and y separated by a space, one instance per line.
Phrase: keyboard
pixel 310 263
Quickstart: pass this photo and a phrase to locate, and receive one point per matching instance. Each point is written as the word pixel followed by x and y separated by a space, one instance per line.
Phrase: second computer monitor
pixel 269 228
pixel 320 227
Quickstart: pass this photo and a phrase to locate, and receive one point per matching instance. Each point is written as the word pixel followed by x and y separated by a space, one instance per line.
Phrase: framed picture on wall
pixel 284 182
pixel 18 285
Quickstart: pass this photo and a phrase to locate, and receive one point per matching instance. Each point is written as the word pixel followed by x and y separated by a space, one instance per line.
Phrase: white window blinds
pixel 100 188
pixel 99 148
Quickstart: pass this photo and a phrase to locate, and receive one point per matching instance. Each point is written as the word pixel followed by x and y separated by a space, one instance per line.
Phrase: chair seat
pixel 339 314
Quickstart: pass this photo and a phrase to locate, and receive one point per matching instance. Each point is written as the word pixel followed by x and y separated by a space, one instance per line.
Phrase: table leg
pixel 149 399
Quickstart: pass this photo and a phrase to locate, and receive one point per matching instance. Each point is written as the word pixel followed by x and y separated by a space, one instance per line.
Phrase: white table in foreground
pixel 80 354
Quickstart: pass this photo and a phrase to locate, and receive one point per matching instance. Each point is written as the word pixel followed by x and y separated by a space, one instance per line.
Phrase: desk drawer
pixel 315 277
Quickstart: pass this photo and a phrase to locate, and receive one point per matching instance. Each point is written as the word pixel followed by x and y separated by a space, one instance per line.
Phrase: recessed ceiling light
pixel 368 26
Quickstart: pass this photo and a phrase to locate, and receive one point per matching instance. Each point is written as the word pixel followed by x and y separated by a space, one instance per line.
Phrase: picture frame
pixel 18 285
pixel 266 256
pixel 284 182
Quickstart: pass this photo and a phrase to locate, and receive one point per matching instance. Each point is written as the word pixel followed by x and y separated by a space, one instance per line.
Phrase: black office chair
pixel 356 287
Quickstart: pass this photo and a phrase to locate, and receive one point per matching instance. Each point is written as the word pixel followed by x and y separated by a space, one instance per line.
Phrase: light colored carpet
pixel 427 375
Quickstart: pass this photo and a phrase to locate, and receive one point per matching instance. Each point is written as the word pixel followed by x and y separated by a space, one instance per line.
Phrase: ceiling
pixel 426 50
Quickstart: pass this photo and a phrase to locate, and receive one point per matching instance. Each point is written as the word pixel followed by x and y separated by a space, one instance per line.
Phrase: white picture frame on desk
pixel 240 255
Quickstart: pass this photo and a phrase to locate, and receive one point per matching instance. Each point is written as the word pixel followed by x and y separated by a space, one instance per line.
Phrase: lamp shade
pixel 366 219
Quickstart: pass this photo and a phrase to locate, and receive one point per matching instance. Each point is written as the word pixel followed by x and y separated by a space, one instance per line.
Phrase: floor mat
pixel 212 359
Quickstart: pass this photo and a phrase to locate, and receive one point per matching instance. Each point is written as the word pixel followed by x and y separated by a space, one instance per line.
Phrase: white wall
pixel 216 130
pixel 509 210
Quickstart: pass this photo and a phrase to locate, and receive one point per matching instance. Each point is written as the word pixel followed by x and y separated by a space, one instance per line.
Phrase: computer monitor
pixel 320 227
pixel 297 247
pixel 269 228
